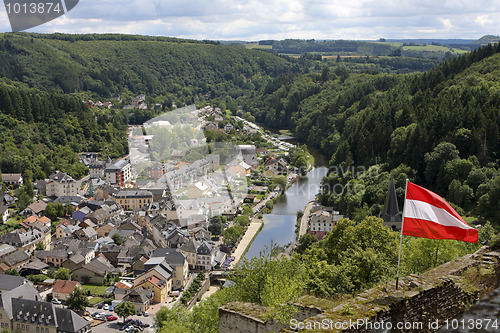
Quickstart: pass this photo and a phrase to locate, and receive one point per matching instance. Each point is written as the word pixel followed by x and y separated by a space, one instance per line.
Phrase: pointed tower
pixel 392 216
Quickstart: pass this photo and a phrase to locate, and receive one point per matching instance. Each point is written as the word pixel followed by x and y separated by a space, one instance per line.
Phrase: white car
pixel 105 307
pixel 55 301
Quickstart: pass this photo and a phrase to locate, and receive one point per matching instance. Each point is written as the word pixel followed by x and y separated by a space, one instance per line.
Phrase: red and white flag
pixel 428 215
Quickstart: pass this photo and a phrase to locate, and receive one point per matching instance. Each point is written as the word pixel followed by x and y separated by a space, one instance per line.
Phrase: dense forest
pixel 45 78
pixel 440 127
pixel 173 71
pixel 42 132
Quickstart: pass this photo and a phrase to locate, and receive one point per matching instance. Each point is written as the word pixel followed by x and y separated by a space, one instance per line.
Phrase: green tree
pixel 280 181
pixel 63 274
pixel 40 246
pixel 232 234
pixel 270 282
pixel 12 271
pixel 305 241
pixel 117 239
pixel 77 299
pixel 242 220
pixel 216 225
pixel 125 309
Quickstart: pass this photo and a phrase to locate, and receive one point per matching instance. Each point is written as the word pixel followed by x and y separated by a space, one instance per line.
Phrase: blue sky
pixel 279 19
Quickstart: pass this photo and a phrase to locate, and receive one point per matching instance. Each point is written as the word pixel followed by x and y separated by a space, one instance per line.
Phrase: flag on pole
pixel 428 215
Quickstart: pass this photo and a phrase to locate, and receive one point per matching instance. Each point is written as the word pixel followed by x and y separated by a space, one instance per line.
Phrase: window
pixel 42 330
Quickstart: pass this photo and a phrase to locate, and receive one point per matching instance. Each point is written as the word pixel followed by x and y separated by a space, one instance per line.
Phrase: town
pixel 159 227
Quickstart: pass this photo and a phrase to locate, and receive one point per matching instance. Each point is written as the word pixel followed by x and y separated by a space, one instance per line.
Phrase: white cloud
pixel 277 19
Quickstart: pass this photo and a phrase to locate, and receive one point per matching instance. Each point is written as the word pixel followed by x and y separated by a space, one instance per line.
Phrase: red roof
pixel 121 285
pixel 65 286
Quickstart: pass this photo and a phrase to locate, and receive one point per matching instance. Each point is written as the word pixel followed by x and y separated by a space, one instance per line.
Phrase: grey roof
pixel 30 311
pixel 56 253
pixel 69 198
pixel 99 266
pixel 10 282
pixel 171 256
pixel 391 208
pixel 15 258
pixel 139 295
pixel 190 246
pixel 77 258
pixel 69 322
pixel 25 291
pixel 61 177
pixel 134 194
pixel 19 239
pixel 6 249
pixel 11 177
pixel 35 264
pixel 38 206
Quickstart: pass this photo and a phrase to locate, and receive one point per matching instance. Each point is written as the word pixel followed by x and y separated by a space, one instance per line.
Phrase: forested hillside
pixel 45 78
pixel 441 127
pixel 42 132
pixel 175 71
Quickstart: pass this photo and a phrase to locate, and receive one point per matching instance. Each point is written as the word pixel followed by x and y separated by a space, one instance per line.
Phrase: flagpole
pixel 401 235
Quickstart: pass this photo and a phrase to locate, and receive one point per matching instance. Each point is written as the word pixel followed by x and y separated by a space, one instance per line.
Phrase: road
pixel 113 326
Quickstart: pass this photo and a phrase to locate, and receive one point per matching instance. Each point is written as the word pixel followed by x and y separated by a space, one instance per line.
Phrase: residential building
pixel 36 208
pixel 322 221
pixel 4 213
pixel 119 173
pixel 66 230
pixel 94 272
pixel 158 278
pixel 133 199
pixel 159 287
pixel 140 297
pixel 177 260
pixel 21 309
pixel 62 289
pixel 96 169
pixel 61 184
pixel 12 179
pixel 23 241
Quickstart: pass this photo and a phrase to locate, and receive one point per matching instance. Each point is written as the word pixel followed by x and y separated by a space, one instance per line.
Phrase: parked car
pixel 111 318
pixel 139 313
pixel 55 301
pixel 111 308
pixel 105 307
pixel 146 314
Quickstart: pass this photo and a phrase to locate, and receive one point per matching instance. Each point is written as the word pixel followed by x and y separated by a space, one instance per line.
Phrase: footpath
pixel 304 219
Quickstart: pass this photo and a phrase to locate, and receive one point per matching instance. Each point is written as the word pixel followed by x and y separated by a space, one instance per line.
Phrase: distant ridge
pixel 487 39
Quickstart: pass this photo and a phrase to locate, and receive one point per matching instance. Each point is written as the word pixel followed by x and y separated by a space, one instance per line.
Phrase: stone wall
pixel 421 303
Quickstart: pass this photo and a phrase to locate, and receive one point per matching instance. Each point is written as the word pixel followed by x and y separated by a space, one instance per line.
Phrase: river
pixel 279 227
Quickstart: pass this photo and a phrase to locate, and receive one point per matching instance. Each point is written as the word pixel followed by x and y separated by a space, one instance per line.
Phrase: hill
pixel 102 65
pixel 418 123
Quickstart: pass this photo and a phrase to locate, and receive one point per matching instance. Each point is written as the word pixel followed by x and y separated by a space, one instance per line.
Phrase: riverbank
pixel 252 231
pixel 304 219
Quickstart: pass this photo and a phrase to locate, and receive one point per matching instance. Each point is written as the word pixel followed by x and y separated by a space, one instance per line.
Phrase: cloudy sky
pixel 279 19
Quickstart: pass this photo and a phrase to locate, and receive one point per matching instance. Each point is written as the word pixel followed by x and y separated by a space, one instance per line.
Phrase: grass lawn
pixel 257 46
pixel 95 290
pixel 14 221
pixel 94 300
